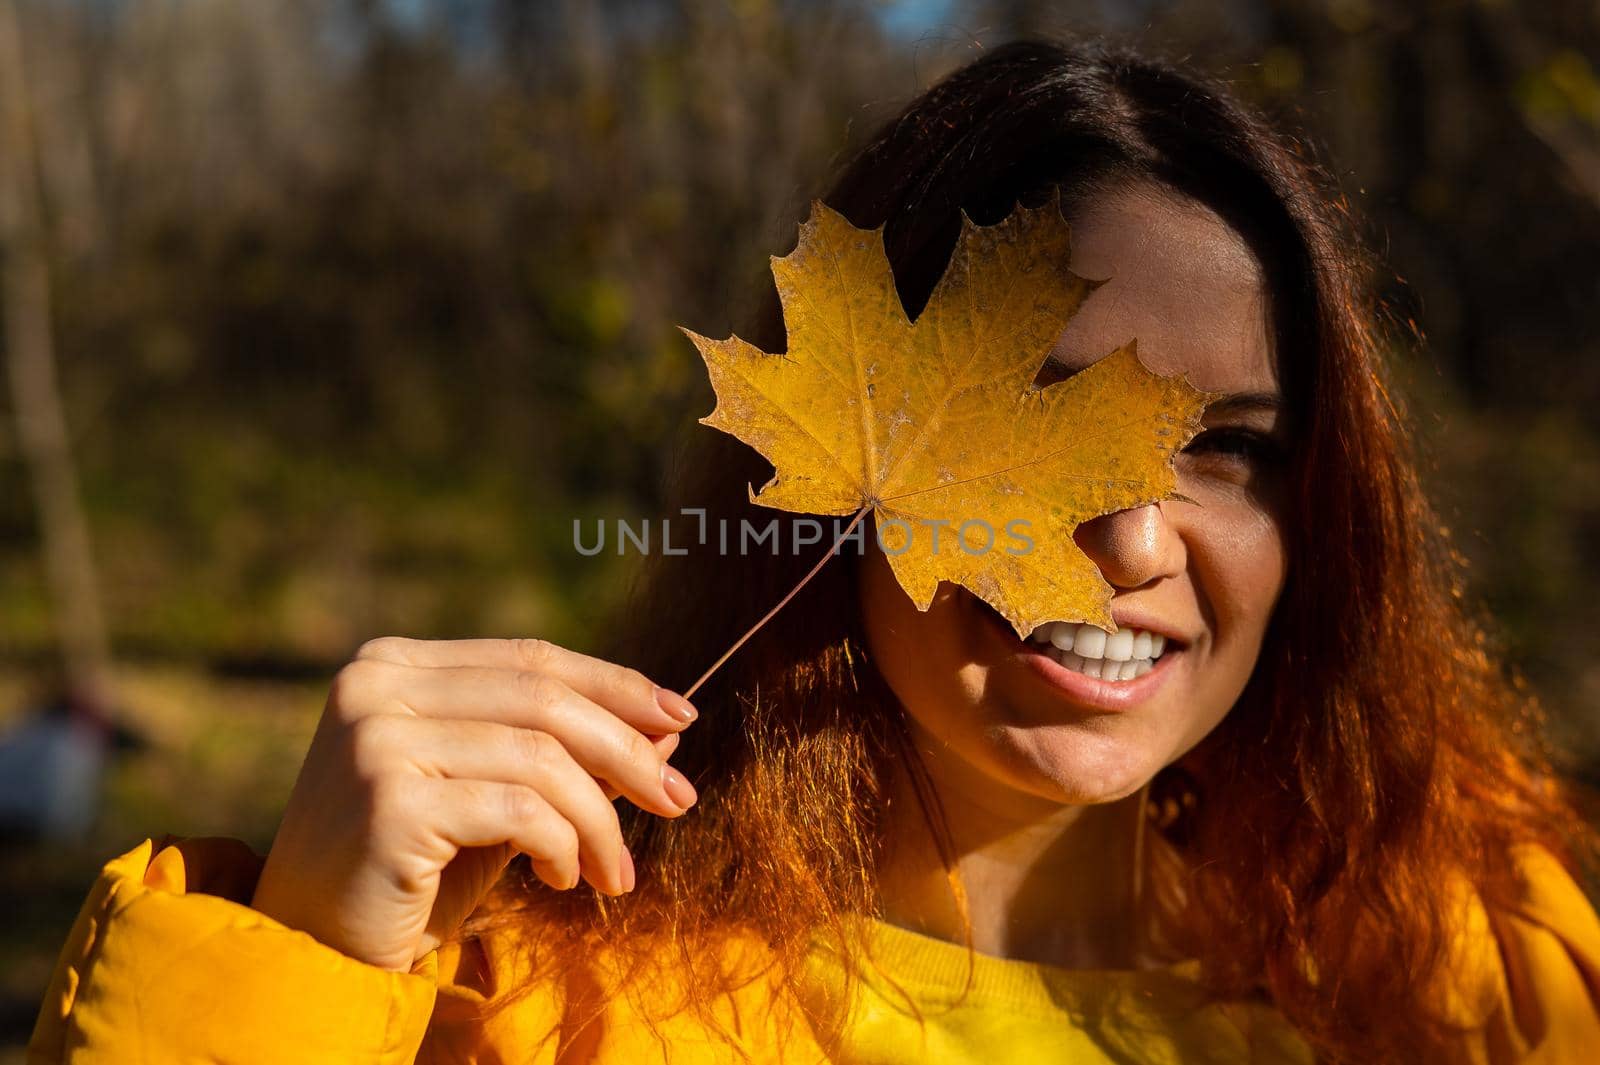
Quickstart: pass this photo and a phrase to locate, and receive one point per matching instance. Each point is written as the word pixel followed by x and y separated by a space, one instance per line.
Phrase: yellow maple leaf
pixel 936 425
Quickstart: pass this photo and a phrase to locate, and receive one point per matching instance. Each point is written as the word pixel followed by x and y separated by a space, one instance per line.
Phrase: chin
pixel 1074 764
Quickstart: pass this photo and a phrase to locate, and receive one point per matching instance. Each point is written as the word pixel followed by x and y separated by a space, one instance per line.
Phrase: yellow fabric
pixel 167 965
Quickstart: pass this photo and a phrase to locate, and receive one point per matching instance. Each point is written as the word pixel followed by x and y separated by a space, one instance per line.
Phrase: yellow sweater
pixel 166 965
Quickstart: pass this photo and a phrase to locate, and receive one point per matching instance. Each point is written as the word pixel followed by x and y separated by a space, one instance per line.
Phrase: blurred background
pixel 324 319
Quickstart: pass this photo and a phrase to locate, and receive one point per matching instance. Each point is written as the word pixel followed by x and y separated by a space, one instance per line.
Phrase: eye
pixel 1237 442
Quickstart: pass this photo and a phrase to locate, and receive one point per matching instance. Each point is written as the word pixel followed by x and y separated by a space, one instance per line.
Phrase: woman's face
pixel 1019 721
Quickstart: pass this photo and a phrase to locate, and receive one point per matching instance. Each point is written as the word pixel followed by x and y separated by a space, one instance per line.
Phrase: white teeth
pixel 1104 668
pixel 1090 642
pixel 1061 634
pixel 1120 656
pixel 1119 645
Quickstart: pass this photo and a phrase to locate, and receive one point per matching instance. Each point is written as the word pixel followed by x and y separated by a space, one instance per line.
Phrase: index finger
pixel 626 692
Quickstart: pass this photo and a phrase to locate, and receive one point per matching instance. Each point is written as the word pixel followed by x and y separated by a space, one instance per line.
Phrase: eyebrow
pixel 1239 402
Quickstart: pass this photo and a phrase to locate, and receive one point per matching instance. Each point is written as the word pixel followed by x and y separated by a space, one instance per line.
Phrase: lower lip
pixel 1086 692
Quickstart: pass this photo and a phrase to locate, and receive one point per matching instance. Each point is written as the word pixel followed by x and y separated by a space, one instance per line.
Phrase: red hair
pixel 1344 788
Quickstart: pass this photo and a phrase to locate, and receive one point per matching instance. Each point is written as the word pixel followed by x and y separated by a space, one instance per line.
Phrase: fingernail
pixel 629 877
pixel 677 787
pixel 676 705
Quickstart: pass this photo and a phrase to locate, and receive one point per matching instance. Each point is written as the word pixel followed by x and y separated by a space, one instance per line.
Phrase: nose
pixel 1133 547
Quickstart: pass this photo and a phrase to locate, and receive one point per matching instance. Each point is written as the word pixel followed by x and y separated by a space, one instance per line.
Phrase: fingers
pixel 485 813
pixel 488 751
pixel 573 731
pixel 664 746
pixel 602 744
pixel 626 692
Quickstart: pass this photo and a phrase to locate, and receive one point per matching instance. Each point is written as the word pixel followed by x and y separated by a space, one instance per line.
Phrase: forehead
pixel 1180 281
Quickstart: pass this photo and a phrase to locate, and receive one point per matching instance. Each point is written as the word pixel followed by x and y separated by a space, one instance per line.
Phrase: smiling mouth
pixel 1096 666
pixel 1123 655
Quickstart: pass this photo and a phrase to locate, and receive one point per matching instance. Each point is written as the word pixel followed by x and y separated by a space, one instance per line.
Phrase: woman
pixel 1314 829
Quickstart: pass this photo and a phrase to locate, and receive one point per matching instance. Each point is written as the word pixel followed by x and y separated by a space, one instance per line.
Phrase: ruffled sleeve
pixel 1532 996
pixel 167 963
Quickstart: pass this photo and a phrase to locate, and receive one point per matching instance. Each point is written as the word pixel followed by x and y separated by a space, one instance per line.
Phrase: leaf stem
pixel 740 642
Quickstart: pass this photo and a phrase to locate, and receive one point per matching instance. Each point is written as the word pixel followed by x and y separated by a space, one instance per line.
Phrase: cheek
pixel 895 628
pixel 1242 565
pixel 921 653
pixel 887 613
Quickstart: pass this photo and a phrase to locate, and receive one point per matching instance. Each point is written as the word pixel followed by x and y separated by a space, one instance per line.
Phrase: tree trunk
pixel 36 400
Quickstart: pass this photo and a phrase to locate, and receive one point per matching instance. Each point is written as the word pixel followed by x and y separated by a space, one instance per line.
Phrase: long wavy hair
pixel 1337 795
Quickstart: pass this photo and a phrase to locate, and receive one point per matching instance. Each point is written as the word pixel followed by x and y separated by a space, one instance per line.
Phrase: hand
pixel 435 762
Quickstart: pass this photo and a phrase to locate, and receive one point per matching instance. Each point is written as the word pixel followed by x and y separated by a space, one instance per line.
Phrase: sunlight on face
pixel 999 727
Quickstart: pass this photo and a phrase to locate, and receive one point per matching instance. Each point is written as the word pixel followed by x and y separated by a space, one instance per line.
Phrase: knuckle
pixel 636 750
pixel 535 653
pixel 535 747
pixel 383 647
pixel 354 681
pixel 540 689
pixel 638 681
pixel 375 741
pixel 522 805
